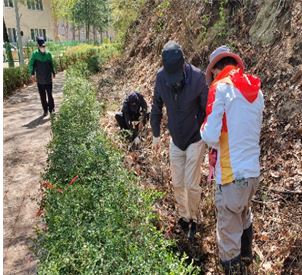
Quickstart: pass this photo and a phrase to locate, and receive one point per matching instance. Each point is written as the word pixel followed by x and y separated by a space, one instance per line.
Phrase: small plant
pixel 162 8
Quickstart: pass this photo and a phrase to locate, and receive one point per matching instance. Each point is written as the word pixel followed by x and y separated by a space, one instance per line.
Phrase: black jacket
pixel 42 65
pixel 134 115
pixel 185 106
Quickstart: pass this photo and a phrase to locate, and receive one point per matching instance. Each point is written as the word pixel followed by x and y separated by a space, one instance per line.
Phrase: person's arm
pixel 126 114
pixel 53 69
pixel 204 90
pixel 156 111
pixel 212 128
pixel 144 107
pixel 31 64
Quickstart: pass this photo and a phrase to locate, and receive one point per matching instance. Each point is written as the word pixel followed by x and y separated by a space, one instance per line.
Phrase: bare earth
pixel 26 135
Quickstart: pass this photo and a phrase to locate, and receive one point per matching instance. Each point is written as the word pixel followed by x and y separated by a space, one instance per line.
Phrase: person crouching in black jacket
pixel 134 110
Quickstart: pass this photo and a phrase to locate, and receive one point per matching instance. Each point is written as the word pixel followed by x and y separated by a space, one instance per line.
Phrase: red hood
pixel 247 84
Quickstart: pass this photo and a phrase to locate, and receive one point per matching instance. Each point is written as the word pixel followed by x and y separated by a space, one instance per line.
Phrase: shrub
pixel 101 223
pixel 14 78
pixel 94 56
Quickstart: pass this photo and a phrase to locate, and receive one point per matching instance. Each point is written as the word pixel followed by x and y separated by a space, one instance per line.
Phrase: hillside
pixel 268 36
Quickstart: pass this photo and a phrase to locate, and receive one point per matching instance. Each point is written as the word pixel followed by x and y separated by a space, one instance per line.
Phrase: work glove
pixel 212 162
pixel 213 157
pixel 137 141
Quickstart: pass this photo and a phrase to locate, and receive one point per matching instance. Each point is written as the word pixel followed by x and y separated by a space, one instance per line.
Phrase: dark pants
pixel 50 105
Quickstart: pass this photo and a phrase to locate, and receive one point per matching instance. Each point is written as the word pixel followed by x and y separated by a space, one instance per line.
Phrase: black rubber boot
pixel 192 230
pixel 246 245
pixel 184 225
pixel 233 267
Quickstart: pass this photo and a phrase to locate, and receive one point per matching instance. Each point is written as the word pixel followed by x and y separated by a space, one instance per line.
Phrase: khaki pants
pixel 186 174
pixel 233 205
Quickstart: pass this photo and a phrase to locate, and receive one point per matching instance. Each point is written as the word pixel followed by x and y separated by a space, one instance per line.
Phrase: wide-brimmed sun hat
pixel 217 55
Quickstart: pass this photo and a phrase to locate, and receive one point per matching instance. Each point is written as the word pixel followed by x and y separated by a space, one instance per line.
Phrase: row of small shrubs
pixel 93 56
pixel 100 222
pixel 14 78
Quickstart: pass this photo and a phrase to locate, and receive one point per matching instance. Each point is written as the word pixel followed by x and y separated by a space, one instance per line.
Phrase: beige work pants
pixel 186 174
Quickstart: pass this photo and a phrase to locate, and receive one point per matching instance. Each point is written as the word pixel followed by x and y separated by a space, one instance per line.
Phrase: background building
pixel 35 19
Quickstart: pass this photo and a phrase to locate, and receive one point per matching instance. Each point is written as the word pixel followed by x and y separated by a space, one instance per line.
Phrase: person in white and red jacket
pixel 232 129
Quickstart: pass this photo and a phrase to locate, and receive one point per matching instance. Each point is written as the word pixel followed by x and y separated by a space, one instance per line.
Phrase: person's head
pixel 41 44
pixel 221 64
pixel 133 101
pixel 173 62
pixel 219 59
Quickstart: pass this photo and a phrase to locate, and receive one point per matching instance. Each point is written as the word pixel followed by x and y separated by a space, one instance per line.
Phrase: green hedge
pixel 102 222
pixel 14 78
pixel 94 56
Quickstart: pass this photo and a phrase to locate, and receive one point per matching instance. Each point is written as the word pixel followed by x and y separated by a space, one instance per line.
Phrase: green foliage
pixel 162 8
pixel 62 10
pixel 60 47
pixel 220 26
pixel 91 13
pixel 204 22
pixel 215 34
pixel 9 54
pixel 102 224
pixel 14 78
pixel 123 14
pixel 93 56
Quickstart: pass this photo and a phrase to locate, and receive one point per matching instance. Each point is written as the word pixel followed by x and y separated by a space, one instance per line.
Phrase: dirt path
pixel 26 135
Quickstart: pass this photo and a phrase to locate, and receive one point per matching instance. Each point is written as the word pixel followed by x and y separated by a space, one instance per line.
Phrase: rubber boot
pixel 246 246
pixel 192 230
pixel 184 225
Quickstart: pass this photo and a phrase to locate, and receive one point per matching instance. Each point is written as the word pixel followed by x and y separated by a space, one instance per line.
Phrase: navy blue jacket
pixel 185 106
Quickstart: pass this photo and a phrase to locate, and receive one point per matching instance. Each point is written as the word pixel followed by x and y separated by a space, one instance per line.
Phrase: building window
pixel 12 35
pixel 35 4
pixel 8 3
pixel 37 32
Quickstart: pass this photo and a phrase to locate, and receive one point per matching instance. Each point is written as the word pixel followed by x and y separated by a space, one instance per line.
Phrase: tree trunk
pixel 87 32
pixel 73 32
pixel 67 30
pixel 7 47
pixel 94 35
pixel 101 33
pixel 79 33
pixel 19 38
pixel 56 29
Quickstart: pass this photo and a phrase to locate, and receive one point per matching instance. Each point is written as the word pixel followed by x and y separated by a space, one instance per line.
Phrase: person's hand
pixel 213 157
pixel 33 78
pixel 156 144
pixel 140 126
pixel 137 141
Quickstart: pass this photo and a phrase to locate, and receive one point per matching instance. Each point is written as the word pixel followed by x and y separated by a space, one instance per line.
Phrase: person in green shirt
pixel 42 70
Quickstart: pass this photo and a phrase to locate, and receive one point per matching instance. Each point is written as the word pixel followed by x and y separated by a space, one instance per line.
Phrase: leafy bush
pixel 101 223
pixel 14 78
pixel 94 56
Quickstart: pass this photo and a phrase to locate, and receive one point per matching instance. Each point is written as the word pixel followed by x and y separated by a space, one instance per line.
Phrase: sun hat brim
pixel 217 58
